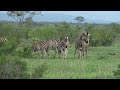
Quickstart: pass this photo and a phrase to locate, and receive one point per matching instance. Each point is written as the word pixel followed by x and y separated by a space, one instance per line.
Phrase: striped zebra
pixel 40 46
pixel 2 39
pixel 62 47
pixel 46 46
pixel 82 44
pixel 53 45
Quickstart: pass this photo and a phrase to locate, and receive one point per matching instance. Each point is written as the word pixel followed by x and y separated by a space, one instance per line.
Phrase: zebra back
pixel 3 39
pixel 53 44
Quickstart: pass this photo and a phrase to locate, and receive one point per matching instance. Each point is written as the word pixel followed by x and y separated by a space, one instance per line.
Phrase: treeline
pixel 101 34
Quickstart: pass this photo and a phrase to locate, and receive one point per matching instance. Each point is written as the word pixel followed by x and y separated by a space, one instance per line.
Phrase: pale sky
pixel 93 15
pixel 76 13
pixel 107 15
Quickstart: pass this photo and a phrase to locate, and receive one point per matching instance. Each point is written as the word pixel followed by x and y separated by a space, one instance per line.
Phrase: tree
pixel 22 16
pixel 79 19
pixel 65 24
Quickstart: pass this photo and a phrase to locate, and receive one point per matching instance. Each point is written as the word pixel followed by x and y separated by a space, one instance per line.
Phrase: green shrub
pixel 24 49
pixel 101 36
pixel 9 46
pixel 117 72
pixel 39 71
pixel 111 53
pixel 43 33
pixel 15 68
pixel 12 68
pixel 101 57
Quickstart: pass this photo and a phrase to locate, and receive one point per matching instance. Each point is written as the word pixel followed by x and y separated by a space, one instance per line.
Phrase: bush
pixel 117 72
pixel 101 57
pixel 111 53
pixel 24 52
pixel 43 33
pixel 101 36
pixel 12 68
pixel 39 71
pixel 9 46
pixel 24 49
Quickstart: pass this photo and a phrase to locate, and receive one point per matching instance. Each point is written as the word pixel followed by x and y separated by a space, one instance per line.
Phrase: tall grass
pixel 99 65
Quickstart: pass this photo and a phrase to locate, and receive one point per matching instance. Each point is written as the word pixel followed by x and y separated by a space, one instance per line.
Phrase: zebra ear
pixel 67 37
pixel 5 39
pixel 88 35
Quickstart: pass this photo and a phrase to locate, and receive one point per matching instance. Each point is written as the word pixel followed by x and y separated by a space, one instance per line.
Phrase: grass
pixel 101 63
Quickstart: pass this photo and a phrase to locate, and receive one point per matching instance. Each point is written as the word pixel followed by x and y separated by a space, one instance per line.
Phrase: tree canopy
pixel 22 16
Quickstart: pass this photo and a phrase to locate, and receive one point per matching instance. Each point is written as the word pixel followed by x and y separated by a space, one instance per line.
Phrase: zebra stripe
pixel 82 44
pixel 62 47
pixel 46 46
pixel 3 39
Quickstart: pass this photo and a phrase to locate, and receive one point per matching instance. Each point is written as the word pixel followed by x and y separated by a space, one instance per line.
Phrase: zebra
pixel 46 46
pixel 52 45
pixel 2 40
pixel 40 46
pixel 82 44
pixel 62 47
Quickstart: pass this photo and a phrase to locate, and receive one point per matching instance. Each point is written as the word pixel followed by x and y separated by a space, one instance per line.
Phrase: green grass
pixel 100 64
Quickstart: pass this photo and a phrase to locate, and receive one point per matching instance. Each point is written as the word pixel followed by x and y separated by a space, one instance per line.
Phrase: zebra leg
pixel 42 54
pixel 55 53
pixel 59 53
pixel 83 52
pixel 47 51
pixel 65 53
pixel 78 54
pixel 86 53
pixel 38 52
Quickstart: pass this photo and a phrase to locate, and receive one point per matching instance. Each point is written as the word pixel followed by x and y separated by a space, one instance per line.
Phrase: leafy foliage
pixel 80 19
pixel 12 68
pixel 22 16
pixel 117 72
pixel 39 71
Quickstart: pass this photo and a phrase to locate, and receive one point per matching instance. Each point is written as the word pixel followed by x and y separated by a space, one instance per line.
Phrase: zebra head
pixel 85 36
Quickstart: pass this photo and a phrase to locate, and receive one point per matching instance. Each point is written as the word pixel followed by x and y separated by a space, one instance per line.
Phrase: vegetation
pixel 15 68
pixel 99 65
pixel 12 68
pixel 117 72
pixel 22 16
pixel 79 19
pixel 18 62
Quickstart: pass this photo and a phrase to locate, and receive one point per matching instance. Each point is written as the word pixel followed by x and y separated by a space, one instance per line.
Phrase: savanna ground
pixel 100 64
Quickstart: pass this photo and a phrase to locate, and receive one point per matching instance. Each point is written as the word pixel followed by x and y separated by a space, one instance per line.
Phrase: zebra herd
pixel 56 45
pixel 61 47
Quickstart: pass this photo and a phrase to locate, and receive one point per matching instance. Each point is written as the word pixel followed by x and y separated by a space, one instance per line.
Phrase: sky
pixel 99 15
pixel 93 15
